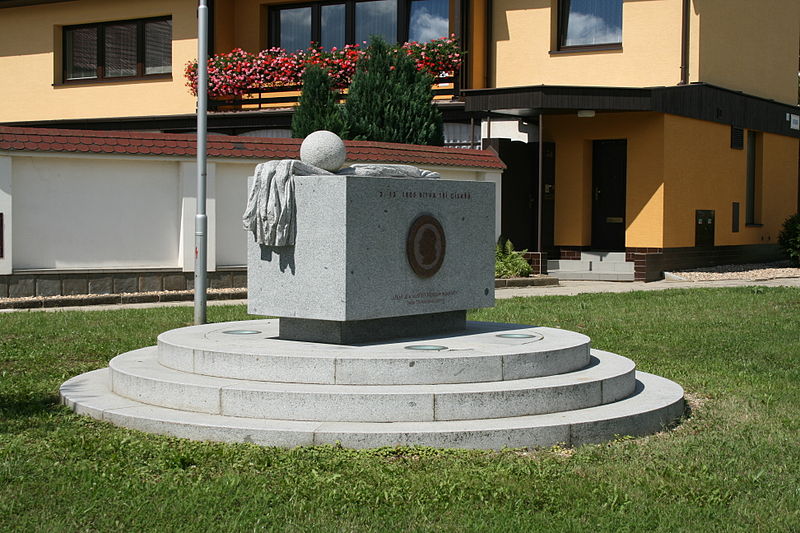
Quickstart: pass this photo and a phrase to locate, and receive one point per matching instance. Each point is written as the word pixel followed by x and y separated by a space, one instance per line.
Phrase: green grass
pixel 734 465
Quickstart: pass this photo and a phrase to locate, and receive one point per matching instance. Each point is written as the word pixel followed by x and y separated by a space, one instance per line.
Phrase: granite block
pixel 101 284
pixel 126 283
pixel 150 282
pixel 74 285
pixel 220 280
pixel 239 280
pixel 174 282
pixel 21 286
pixel 48 286
pixel 350 259
pixel 358 331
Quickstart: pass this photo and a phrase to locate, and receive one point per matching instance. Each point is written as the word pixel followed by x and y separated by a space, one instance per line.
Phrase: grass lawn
pixel 733 465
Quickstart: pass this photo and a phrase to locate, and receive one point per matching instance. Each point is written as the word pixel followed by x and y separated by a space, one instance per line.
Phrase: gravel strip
pixel 33 302
pixel 748 272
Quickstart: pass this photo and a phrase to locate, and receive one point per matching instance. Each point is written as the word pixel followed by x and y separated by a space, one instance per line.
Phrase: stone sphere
pixel 323 149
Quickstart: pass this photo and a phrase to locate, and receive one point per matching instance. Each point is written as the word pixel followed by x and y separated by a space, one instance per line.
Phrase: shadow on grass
pixel 15 407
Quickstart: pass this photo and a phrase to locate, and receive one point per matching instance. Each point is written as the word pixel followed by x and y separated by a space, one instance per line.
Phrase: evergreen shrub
pixel 789 238
pixel 318 108
pixel 390 100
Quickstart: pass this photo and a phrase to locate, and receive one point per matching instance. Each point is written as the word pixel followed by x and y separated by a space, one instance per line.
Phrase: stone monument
pixel 371 269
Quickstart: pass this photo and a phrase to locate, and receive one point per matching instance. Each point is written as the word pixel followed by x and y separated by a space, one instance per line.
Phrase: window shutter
pixel 158 47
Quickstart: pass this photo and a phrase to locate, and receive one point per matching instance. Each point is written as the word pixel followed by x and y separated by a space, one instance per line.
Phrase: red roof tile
pixel 222 146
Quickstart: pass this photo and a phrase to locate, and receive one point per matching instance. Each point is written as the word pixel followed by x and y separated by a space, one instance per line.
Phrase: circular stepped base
pixel 656 403
pixel 485 351
pixel 137 375
pixel 492 386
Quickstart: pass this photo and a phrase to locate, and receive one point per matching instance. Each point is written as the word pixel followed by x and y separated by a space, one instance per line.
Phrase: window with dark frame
pixel 587 24
pixel 118 50
pixel 336 23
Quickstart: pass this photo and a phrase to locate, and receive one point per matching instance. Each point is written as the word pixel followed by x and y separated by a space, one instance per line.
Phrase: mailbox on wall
pixel 704 227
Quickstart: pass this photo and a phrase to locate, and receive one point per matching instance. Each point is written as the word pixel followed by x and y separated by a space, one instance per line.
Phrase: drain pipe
pixel 539 196
pixel 687 7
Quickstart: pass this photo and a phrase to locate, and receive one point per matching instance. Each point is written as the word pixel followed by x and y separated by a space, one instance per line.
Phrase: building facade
pixel 663 132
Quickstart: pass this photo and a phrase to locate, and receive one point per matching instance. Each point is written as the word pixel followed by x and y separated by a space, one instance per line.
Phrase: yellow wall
pixel 748 45
pixel 30 44
pixel 645 186
pixel 706 173
pixel 523 34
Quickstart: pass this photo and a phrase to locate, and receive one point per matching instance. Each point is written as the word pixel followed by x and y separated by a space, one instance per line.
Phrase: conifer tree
pixel 389 100
pixel 317 109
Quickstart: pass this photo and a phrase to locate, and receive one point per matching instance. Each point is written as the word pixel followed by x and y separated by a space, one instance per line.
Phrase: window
pixel 589 23
pixel 753 186
pixel 295 27
pixel 114 50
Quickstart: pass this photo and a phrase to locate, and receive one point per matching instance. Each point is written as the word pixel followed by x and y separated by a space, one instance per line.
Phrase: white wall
pixel 5 209
pixel 94 213
pixel 90 211
pixel 231 201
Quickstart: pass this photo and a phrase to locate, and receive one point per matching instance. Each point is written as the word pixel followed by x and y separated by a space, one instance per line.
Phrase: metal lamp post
pixel 200 219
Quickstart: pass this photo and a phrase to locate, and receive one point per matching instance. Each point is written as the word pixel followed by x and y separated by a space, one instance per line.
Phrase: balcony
pixel 446 89
pixel 271 79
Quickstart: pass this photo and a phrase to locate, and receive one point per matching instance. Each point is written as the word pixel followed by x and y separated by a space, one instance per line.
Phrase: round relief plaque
pixel 425 246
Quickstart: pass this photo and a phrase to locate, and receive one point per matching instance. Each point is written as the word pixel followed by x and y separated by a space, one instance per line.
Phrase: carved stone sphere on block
pixel 323 149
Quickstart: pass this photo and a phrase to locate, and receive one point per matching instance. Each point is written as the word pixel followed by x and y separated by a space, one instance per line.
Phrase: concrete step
pixel 612 267
pixel 139 376
pixel 571 265
pixel 655 403
pixel 483 352
pixel 603 256
pixel 595 276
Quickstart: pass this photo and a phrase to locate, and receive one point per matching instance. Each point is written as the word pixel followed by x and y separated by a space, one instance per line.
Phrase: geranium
pixel 239 72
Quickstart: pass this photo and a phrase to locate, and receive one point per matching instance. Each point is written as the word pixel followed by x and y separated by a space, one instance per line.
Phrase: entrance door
pixel 609 160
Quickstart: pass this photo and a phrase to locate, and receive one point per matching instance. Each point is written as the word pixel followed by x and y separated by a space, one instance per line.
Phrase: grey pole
pixel 200 219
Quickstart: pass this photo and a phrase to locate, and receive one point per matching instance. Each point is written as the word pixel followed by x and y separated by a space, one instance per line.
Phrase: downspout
pixel 687 7
pixel 489 7
pixel 539 195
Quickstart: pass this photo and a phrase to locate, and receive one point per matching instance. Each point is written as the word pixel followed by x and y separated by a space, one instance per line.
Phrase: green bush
pixel 508 263
pixel 318 108
pixel 789 238
pixel 389 100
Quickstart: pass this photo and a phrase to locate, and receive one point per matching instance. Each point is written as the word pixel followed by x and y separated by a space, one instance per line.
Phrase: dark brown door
pixel 609 159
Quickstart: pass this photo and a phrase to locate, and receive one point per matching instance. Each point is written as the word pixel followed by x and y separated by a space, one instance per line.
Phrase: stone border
pixel 533 281
pixel 43 283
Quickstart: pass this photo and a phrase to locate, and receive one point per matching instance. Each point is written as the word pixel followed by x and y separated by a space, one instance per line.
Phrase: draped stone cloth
pixel 271 211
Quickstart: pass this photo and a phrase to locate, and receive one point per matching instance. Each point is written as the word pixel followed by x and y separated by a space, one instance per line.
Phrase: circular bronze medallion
pixel 425 246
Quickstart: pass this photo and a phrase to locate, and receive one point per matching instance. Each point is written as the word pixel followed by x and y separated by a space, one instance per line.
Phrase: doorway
pixel 520 193
pixel 609 162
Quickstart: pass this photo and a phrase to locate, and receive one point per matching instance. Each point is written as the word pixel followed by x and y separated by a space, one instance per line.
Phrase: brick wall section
pixel 571 252
pixel 538 261
pixel 650 263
